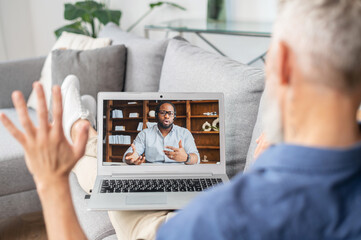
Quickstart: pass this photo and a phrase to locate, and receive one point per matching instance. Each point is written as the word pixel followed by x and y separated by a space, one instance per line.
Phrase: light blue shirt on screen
pixel 151 142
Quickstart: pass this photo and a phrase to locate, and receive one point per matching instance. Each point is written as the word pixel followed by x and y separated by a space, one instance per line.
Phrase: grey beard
pixel 271 117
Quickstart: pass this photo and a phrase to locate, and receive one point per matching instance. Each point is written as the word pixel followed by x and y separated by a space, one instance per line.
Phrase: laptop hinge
pixel 157 174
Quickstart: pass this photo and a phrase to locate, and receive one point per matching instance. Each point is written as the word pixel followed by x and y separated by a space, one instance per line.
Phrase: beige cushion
pixel 66 41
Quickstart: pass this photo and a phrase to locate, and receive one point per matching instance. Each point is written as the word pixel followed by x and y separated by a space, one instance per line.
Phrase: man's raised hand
pixel 134 158
pixel 48 155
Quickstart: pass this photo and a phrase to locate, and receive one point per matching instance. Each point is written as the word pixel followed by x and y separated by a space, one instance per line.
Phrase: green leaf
pixel 73 28
pixel 89 6
pixel 106 16
pixel 84 10
pixel 87 17
pixel 72 12
pixel 158 4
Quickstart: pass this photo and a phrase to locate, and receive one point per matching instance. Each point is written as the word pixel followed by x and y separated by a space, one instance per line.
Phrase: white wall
pixel 46 17
pixel 28 31
pixel 16 29
pixel 3 54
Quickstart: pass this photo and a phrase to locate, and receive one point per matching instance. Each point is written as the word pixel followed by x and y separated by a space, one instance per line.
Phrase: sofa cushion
pixel 19 203
pixel 14 175
pixel 188 68
pixel 18 75
pixel 66 41
pixel 144 58
pixel 98 70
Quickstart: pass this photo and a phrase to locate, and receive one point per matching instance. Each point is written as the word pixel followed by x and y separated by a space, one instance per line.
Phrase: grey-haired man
pixel 307 187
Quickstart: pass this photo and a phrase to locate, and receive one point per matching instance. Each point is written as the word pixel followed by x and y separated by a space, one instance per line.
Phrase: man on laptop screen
pixel 164 142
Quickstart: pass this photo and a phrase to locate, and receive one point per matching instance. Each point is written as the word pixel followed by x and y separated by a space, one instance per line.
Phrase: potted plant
pixel 88 17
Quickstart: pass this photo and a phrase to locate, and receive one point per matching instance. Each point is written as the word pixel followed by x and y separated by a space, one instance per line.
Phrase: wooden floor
pixel 25 227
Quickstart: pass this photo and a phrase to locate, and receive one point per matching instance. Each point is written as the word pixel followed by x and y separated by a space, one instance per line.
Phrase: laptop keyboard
pixel 158 185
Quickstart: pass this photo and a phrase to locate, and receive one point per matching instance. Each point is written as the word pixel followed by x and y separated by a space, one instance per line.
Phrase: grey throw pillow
pixel 188 68
pixel 144 58
pixel 98 70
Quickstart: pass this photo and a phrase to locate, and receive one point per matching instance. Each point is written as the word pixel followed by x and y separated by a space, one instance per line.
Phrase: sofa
pixel 171 65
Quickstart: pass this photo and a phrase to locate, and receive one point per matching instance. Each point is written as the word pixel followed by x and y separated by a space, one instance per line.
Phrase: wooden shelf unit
pixel 189 115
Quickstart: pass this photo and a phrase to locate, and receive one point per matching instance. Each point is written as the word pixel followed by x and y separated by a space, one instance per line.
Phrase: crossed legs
pixel 127 224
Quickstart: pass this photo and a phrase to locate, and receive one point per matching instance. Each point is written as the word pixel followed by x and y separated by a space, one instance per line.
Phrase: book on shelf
pixel 140 126
pixel 116 113
pixel 133 115
pixel 119 128
pixel 119 139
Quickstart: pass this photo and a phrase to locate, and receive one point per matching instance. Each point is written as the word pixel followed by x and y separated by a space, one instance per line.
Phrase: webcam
pixel 161 96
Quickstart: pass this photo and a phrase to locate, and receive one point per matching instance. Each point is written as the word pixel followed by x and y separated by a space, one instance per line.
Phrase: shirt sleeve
pixel 139 143
pixel 190 145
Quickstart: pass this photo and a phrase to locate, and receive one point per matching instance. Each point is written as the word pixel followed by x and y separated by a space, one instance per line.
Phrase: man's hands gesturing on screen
pixel 134 158
pixel 178 154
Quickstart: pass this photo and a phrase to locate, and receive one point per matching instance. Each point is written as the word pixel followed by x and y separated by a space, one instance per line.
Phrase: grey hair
pixel 326 36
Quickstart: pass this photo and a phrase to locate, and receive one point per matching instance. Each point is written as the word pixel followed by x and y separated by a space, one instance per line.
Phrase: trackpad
pixel 149 199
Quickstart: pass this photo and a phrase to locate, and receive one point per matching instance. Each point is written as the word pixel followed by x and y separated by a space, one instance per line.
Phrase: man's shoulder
pixel 181 129
pixel 151 128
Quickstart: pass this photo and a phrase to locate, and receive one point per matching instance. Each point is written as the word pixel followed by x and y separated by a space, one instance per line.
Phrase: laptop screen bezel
pixel 160 168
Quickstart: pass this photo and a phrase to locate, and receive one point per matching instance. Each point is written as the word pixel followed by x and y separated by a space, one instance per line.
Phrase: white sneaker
pixel 89 103
pixel 72 105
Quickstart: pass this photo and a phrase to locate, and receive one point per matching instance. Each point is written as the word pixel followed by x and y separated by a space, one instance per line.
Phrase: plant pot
pixel 216 10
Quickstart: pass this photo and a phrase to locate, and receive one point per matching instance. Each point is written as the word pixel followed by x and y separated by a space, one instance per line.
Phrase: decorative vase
pixel 151 113
pixel 216 10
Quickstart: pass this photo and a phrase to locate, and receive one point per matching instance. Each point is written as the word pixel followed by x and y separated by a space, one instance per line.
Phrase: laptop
pixel 158 182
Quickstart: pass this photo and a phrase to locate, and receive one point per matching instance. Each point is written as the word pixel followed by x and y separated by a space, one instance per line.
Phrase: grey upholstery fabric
pixel 96 224
pixel 19 203
pixel 257 131
pixel 188 68
pixel 144 59
pixel 14 175
pixel 111 237
pixel 98 70
pixel 18 75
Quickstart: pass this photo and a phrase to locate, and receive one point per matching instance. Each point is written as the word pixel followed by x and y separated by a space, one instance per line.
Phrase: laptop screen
pixel 172 132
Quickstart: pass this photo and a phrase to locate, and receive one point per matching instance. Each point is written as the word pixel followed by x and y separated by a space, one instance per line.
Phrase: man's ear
pixel 283 63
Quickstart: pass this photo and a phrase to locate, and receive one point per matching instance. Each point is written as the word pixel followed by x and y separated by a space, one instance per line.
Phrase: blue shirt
pixel 152 142
pixel 291 192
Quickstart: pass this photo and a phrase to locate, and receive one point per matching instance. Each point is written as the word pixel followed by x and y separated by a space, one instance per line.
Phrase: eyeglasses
pixel 163 113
